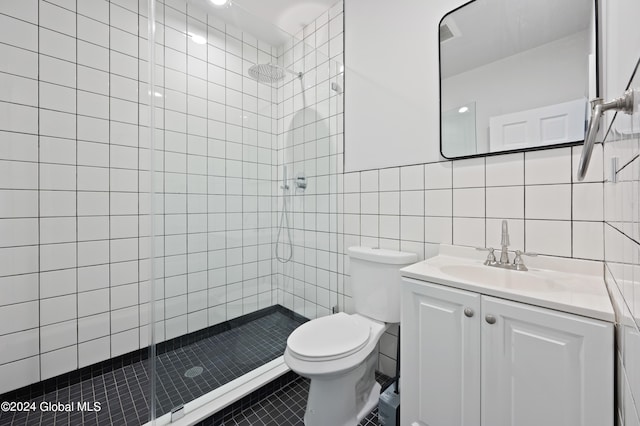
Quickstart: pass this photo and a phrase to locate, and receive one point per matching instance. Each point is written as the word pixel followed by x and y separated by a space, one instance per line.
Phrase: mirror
pixel 515 75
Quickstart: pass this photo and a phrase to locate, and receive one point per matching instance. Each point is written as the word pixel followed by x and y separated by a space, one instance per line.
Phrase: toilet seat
pixel 329 338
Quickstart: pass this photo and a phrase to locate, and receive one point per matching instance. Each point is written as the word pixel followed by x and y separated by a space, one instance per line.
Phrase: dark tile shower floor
pixel 286 407
pixel 184 374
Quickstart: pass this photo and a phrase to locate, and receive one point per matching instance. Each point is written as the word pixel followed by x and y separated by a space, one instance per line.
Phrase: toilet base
pixel 345 399
pixel 372 402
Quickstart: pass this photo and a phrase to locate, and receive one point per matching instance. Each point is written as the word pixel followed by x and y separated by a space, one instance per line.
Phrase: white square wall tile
pixel 124 295
pixel 548 202
pixel 412 178
pixel 93 351
pixel 18 203
pixel 468 173
pixel 17 232
pixel 547 166
pixel 124 319
pixel 390 227
pixel 18 317
pixel 57 283
pixel 469 232
pixel 18 260
pixel 57 230
pixel 503 170
pixel 57 256
pixel 588 201
pixel 19 345
pixel 93 302
pixel 18 175
pixel 438 202
pixel 26 10
pixel 412 203
pixel 548 237
pixel 57 309
pixel 588 240
pixel 93 327
pixel 505 202
pixel 412 228
pixel 369 202
pixel 438 175
pixel 438 230
pixel 20 373
pixel 18 289
pixel 57 362
pixel 352 182
pixel 58 335
pixel 369 181
pixel 390 203
pixel 389 179
pixel 122 343
pixel 18 33
pixel 469 202
pixel 178 326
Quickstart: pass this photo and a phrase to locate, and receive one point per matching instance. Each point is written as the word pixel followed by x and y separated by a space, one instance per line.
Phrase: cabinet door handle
pixel 469 312
pixel 490 319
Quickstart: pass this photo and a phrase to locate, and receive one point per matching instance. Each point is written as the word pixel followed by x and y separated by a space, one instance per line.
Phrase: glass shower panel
pixel 74 211
pixel 224 130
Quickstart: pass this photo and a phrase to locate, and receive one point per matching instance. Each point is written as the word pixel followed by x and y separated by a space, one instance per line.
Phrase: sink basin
pixel 505 278
pixel 568 285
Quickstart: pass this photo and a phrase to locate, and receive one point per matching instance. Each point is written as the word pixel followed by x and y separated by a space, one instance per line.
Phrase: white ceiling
pixel 273 21
pixel 494 29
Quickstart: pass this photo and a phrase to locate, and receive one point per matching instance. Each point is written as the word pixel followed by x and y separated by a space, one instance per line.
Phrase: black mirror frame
pixel 535 148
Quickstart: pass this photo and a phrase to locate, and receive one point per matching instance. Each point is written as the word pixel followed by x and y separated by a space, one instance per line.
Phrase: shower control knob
pixel 468 312
pixel 490 319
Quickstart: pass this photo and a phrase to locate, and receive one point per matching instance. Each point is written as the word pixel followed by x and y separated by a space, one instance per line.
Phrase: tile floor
pixel 285 407
pixel 122 391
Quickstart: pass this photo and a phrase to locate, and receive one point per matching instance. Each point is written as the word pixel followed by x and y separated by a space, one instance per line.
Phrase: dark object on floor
pixel 389 407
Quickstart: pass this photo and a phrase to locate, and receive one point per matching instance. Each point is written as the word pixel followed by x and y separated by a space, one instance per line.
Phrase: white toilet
pixel 337 352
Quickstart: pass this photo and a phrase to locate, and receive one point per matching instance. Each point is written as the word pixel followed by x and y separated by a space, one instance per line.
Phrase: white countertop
pixel 568 285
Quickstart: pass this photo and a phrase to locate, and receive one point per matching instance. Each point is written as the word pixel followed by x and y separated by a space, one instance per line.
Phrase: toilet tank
pixel 375 281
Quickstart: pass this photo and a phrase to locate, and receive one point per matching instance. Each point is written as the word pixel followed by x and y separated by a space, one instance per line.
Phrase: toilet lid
pixel 330 337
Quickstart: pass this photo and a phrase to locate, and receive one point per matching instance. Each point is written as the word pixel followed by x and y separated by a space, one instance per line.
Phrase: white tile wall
pixel 464 202
pixel 310 142
pixel 621 252
pixel 74 180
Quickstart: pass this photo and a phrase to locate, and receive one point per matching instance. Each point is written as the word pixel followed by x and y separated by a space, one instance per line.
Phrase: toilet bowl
pixel 338 352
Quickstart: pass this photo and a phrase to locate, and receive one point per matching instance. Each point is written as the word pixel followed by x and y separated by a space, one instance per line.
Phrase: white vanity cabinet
pixel 470 359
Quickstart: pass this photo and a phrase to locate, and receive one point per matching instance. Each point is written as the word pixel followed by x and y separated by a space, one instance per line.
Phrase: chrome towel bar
pixel 623 103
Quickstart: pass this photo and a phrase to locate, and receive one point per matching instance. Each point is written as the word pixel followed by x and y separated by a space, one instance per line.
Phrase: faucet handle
pixel 517 261
pixel 491 257
pixel 525 253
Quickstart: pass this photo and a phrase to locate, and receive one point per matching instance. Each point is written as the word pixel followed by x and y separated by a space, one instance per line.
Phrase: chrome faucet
pixel 504 255
pixel 504 262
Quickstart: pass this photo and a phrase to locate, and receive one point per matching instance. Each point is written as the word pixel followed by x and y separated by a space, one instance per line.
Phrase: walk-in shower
pixel 139 216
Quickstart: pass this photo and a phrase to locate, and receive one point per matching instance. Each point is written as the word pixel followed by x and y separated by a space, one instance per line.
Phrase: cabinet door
pixel 544 367
pixel 439 357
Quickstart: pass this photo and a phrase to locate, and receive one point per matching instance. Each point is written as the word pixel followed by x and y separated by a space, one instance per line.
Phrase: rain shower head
pixel 270 73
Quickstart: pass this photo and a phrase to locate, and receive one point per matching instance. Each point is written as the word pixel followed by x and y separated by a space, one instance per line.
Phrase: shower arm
pixel 623 103
pixel 297 74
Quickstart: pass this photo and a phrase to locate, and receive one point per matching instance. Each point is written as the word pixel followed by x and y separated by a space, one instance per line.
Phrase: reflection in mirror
pixel 515 75
pixel 459 125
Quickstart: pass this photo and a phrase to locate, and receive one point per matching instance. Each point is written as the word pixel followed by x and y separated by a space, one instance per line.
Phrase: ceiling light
pixel 463 110
pixel 219 3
